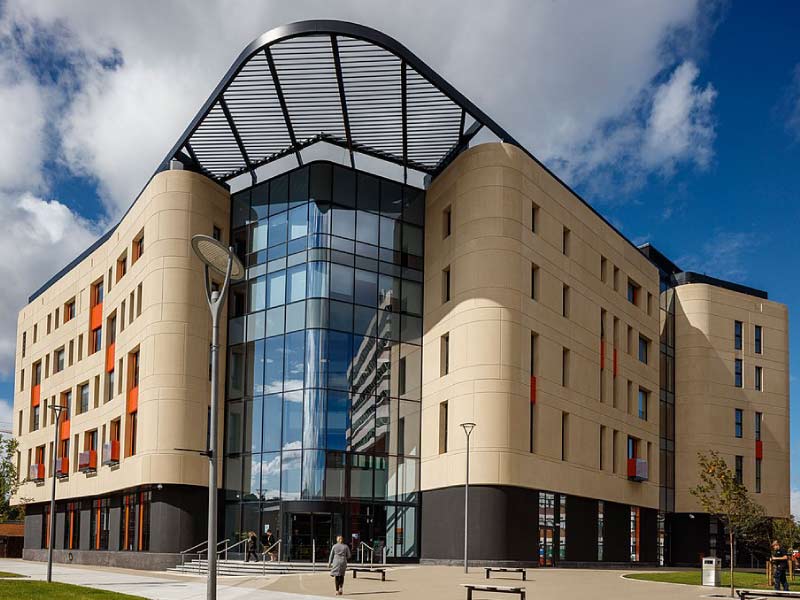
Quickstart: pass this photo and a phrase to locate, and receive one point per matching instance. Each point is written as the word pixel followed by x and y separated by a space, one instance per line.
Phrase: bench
pixel 745 594
pixel 357 570
pixel 501 589
pixel 506 570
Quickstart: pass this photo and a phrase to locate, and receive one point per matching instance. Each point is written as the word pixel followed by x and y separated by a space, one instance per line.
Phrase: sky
pixel 678 120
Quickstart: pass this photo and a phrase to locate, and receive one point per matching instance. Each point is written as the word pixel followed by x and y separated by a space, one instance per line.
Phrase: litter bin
pixel 711 571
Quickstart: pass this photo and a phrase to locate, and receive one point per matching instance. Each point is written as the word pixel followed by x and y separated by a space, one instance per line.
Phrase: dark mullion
pixel 340 81
pixel 404 111
pixel 279 91
pixel 237 137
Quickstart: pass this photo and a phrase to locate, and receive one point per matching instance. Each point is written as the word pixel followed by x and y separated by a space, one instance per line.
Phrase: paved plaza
pixel 402 583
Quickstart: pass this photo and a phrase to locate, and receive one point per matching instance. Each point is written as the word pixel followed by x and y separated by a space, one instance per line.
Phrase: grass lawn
pixel 36 590
pixel 4 575
pixel 741 579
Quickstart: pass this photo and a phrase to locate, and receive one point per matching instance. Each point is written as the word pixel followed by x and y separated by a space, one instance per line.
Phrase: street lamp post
pixel 221 259
pixel 57 409
pixel 468 427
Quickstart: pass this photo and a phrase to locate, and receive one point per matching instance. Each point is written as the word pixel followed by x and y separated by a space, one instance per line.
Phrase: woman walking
pixel 337 563
pixel 252 546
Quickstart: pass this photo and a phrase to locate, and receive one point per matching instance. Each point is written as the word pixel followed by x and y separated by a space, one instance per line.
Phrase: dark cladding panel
pixel 617 532
pixel 581 529
pixel 648 535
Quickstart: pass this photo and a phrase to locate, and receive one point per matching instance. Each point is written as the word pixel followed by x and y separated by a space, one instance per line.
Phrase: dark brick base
pixel 146 561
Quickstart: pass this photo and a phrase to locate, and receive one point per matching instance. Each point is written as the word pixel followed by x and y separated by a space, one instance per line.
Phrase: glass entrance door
pixel 307 531
pixel 546 546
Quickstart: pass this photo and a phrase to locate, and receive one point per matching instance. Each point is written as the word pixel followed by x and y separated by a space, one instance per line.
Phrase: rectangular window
pixel 757 426
pixel 122 317
pixel 737 335
pixel 58 361
pixel 532 400
pixel 739 469
pixel 71 355
pixel 443 427
pixel 564 367
pixel 534 282
pixel 601 450
pixel 614 436
pixel 96 340
pixel 759 383
pixel 534 217
pixel 444 355
pixel 633 292
pixel 644 345
pixel 139 300
pixel 80 347
pixel 633 448
pixel 564 435
pixel 737 373
pixel 447 218
pixel 69 310
pixel 83 397
pixel 757 340
pixel 122 266
pixel 137 248
pixel 446 284
pixel 603 268
pixel 758 476
pixel 97 293
pixel 35 332
pixel 131 433
pixel 565 301
pixel 110 385
pixel 216 233
pixel 643 401
pixel 738 416
pixel 635 535
pixel 58 318
pixel 49 322
pixel 565 242
pixel 649 304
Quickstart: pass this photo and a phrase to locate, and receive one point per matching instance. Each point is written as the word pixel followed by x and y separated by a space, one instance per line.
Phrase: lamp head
pixel 215 254
pixel 468 427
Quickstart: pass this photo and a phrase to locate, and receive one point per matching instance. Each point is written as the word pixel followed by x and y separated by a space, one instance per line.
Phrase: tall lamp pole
pixel 468 427
pixel 57 409
pixel 216 256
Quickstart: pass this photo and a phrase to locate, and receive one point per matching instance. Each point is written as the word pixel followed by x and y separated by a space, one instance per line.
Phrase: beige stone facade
pixel 510 222
pixel 707 397
pixel 159 310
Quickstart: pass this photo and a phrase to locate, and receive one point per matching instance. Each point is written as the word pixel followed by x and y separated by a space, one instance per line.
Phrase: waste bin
pixel 711 571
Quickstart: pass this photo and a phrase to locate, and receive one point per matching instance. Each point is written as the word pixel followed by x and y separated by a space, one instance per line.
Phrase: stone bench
pixel 357 570
pixel 490 570
pixel 500 589
pixel 745 594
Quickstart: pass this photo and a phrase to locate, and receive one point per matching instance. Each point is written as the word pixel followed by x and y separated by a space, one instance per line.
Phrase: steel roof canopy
pixel 333 81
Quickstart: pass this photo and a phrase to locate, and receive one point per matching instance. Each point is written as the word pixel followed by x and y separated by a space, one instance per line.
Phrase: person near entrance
pixel 252 546
pixel 337 562
pixel 780 563
pixel 268 542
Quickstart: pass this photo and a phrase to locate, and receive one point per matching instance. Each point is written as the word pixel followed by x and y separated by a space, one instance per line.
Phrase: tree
pixel 786 531
pixel 720 494
pixel 9 480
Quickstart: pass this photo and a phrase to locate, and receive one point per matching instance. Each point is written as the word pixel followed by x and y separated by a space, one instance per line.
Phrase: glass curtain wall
pixel 324 366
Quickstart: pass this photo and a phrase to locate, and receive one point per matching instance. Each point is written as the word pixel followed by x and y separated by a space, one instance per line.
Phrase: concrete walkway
pixel 402 583
pixel 148 584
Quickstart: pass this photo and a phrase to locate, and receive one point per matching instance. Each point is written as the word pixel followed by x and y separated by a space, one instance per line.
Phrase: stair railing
pixel 361 548
pixel 187 551
pixel 227 548
pixel 267 551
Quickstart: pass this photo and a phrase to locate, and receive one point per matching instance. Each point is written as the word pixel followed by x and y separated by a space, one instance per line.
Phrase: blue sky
pixel 679 121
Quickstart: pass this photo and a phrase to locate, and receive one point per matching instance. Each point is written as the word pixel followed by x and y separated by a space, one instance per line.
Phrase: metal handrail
pixel 371 553
pixel 194 547
pixel 264 554
pixel 188 550
pixel 226 548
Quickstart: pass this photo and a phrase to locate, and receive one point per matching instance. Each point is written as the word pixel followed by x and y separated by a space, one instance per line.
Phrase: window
pixel 643 401
pixel 444 355
pixel 122 317
pixel 600 458
pixel 110 385
pixel 35 418
pixel 133 365
pixel 633 448
pixel 69 310
pixel 122 266
pixel 738 422
pixel 80 347
pixel 534 217
pixel 131 433
pixel 58 360
pixel 534 282
pixel 565 241
pixel 446 284
pixel 96 340
pixel 757 427
pixel 614 436
pixel 759 379
pixel 71 355
pixel 758 476
pixel 635 535
pixel 564 435
pixel 97 293
pixel 737 335
pixel 565 301
pixel 138 247
pixel 58 318
pixel 100 523
pixel 112 329
pixel 447 218
pixel 649 304
pixel 49 322
pixel 757 340
pixel 24 342
pixel 216 233
pixel 22 381
pixel 739 469
pixel 443 427
pixel 83 397
pixel 139 300
pixel 532 400
pixel 633 292
pixel 644 345
pixel 737 375
pixel 564 367
pixel 72 526
pixel 600 527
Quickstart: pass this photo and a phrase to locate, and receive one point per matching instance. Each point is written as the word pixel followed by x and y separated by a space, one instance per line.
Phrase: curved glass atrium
pixel 322 419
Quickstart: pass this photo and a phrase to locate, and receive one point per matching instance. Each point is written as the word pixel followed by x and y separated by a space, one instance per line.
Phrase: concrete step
pixel 242 568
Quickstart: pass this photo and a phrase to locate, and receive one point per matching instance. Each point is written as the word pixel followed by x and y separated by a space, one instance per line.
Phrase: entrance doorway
pixel 305 532
pixel 546 546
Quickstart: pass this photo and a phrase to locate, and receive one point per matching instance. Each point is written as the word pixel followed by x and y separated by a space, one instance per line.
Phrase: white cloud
pixel 6 415
pixel 41 237
pixel 723 255
pixel 680 126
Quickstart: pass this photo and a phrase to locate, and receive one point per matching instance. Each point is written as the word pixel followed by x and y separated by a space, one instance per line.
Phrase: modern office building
pixel 400 281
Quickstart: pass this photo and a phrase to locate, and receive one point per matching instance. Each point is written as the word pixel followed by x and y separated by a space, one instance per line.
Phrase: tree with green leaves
pixel 9 480
pixel 720 494
pixel 787 532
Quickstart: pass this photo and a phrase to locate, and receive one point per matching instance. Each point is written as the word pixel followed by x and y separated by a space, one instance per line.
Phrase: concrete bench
pixel 490 570
pixel 500 589
pixel 357 570
pixel 745 594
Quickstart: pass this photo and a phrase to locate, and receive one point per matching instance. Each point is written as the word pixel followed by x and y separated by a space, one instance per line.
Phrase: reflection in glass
pixel 273 417
pixel 313 474
pixel 290 475
pixel 292 420
pixel 273 364
pixel 313 426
